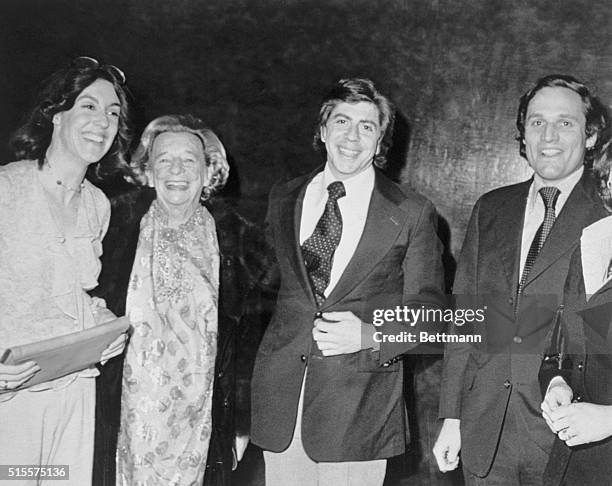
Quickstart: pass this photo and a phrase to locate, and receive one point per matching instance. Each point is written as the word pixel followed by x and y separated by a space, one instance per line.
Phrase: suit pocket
pixel 367 362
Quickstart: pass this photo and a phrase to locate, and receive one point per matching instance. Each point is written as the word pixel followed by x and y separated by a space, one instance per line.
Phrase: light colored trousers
pixel 50 427
pixel 294 467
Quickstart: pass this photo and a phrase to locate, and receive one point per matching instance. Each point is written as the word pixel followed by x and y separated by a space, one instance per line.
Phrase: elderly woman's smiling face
pixel 177 171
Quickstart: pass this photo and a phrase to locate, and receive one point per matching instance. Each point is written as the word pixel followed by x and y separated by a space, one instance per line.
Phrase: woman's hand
pixel 13 376
pixel 581 423
pixel 100 311
pixel 114 349
pixel 558 394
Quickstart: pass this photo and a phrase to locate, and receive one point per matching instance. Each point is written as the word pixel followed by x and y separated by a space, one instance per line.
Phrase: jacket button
pixel 303 358
pixel 580 366
pixel 517 339
pixel 386 365
pixel 507 384
pixel 226 403
pixel 220 374
pixel 578 398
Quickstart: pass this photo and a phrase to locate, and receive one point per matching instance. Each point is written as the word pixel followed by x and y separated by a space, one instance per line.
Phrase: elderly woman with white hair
pixel 172 300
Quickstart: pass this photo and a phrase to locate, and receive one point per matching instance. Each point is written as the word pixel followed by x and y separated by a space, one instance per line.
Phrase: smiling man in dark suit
pixel 516 257
pixel 327 404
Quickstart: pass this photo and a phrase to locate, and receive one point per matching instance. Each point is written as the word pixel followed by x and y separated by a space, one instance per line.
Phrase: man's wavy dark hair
pixel 354 90
pixel 595 112
pixel 59 93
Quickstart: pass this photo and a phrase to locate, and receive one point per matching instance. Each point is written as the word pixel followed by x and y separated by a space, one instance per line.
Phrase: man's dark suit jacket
pixel 477 379
pixel 587 327
pixel 353 405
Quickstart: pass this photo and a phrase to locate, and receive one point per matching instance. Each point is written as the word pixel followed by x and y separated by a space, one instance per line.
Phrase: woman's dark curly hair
pixel 59 93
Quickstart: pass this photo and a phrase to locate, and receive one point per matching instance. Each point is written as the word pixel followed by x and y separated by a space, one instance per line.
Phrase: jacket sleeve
pixel 423 279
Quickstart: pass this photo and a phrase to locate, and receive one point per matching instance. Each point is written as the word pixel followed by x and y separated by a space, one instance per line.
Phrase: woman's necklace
pixel 64 212
pixel 61 183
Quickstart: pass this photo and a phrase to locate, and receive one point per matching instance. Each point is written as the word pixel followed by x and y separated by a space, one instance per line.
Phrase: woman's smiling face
pixel 178 170
pixel 87 130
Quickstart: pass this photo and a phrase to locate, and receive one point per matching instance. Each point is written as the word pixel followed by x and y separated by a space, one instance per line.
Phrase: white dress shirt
pixel 353 207
pixel 535 209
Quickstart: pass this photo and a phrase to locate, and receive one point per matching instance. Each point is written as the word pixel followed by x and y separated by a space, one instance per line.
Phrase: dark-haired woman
pixel 52 221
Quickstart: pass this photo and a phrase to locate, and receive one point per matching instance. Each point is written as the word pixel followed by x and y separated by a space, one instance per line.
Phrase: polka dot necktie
pixel 318 249
pixel 549 196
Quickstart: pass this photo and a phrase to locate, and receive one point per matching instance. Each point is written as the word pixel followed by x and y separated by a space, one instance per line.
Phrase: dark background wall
pixel 256 71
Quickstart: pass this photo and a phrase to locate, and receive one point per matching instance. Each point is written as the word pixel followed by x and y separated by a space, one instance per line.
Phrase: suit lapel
pixel 291 213
pixel 509 231
pixel 384 222
pixel 578 211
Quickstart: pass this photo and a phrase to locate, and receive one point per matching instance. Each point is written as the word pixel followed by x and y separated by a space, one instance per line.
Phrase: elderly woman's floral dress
pixel 169 368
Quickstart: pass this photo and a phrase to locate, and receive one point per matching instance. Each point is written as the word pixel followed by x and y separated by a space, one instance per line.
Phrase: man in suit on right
pixel 515 258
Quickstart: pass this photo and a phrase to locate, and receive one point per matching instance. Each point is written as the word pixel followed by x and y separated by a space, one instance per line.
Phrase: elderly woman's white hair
pixel 214 151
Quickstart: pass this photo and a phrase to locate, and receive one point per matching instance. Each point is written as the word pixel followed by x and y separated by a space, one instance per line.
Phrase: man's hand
pixel 114 349
pixel 581 423
pixel 447 447
pixel 558 394
pixel 337 333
